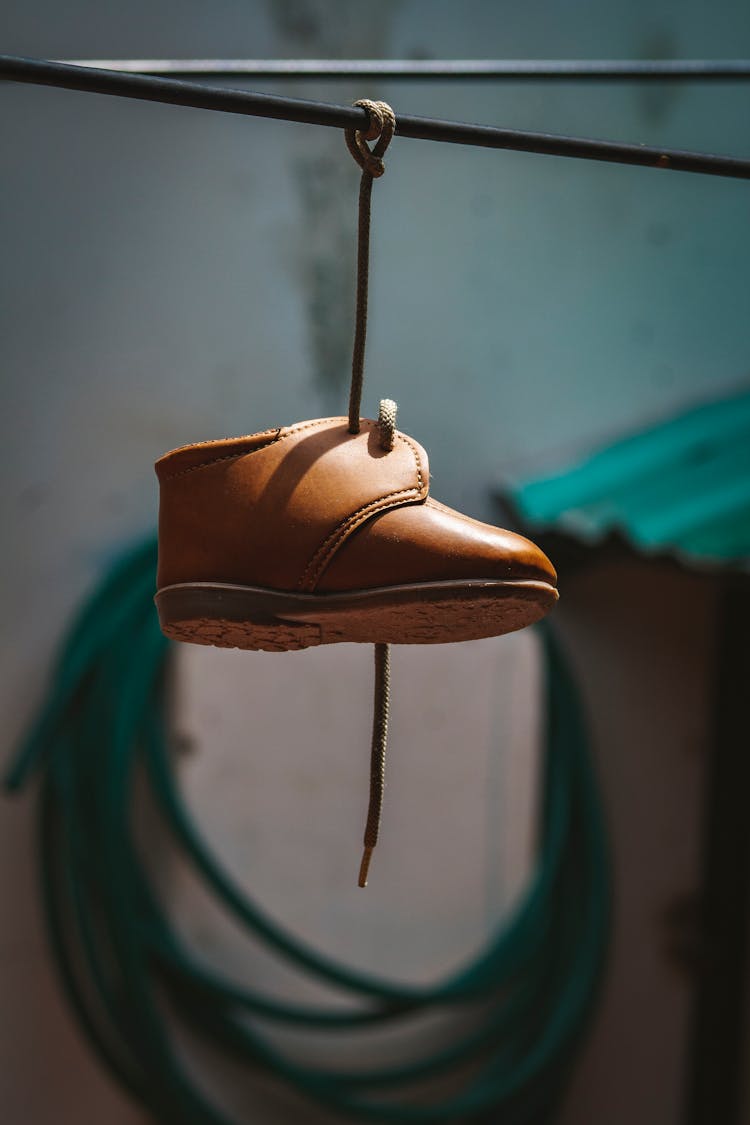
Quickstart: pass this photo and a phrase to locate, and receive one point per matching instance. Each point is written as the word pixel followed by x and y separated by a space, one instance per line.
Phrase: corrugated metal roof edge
pixel 636 488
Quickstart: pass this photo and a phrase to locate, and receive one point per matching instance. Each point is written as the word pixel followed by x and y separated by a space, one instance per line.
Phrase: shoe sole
pixel 248 617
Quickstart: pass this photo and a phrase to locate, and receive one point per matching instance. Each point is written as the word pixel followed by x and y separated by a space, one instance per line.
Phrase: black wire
pixel 146 88
pixel 554 70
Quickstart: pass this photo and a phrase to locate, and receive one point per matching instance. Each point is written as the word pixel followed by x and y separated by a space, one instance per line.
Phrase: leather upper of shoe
pixel 311 507
pixel 433 544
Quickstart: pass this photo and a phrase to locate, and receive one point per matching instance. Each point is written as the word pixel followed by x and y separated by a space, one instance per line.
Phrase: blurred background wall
pixel 171 275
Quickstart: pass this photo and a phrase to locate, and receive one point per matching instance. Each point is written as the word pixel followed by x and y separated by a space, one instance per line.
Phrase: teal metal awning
pixel 681 487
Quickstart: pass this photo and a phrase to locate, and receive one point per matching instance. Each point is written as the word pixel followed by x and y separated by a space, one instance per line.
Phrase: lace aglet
pixel 364 866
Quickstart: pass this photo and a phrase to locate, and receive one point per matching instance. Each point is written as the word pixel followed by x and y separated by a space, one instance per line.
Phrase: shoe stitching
pixel 219 441
pixel 292 431
pixel 328 548
pixel 415 450
pixel 217 460
pixel 278 436
pixel 299 426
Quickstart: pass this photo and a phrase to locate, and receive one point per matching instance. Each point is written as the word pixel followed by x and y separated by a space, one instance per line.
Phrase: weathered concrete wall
pixel 170 275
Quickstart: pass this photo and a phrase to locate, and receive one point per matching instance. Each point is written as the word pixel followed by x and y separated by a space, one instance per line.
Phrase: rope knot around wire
pixel 381 127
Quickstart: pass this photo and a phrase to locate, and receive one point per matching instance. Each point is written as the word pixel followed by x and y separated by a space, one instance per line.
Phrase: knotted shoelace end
pixel 387 422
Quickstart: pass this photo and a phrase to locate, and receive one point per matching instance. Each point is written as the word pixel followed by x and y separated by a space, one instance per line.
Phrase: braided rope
pixel 387 422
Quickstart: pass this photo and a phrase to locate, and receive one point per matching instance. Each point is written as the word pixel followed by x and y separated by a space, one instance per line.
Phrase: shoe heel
pixel 202 615
pixel 270 637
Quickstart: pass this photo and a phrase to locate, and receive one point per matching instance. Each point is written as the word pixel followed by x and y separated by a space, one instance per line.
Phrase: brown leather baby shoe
pixel 310 534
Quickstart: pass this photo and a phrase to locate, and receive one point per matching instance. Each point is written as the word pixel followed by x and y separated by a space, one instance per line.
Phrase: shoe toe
pixel 429 542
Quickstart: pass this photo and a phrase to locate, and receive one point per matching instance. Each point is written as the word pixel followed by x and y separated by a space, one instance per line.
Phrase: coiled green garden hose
pixel 120 957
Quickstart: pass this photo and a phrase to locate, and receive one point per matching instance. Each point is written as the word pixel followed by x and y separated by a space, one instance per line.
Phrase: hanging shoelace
pixel 381 129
